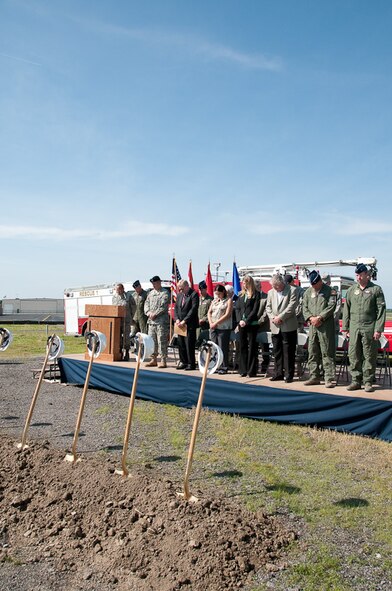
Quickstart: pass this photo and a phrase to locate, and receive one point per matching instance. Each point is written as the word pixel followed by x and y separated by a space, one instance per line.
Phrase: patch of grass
pixel 11 560
pixel 144 414
pixel 320 571
pixel 29 340
pixel 103 410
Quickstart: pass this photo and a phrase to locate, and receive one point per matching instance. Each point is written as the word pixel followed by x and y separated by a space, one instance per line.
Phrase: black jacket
pixel 247 310
pixel 187 310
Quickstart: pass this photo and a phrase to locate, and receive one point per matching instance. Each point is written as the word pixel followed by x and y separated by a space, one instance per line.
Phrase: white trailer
pixel 76 298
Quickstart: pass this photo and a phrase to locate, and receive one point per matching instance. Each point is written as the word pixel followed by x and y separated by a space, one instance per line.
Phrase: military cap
pixel 202 285
pixel 136 284
pixel 361 268
pixel 314 277
pixel 155 278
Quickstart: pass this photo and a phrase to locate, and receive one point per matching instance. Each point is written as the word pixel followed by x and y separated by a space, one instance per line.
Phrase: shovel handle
pixel 130 414
pixel 22 444
pixel 187 494
pixel 83 401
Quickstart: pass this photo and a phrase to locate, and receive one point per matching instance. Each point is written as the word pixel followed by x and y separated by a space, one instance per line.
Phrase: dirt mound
pixel 106 532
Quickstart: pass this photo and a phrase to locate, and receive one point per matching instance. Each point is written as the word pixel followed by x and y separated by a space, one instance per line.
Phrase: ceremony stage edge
pixel 255 398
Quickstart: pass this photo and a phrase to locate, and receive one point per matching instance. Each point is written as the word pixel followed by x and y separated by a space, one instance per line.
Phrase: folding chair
pixel 342 359
pixel 301 353
pixel 383 366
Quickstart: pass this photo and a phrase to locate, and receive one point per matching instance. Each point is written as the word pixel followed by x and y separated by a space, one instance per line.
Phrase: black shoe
pixel 252 375
pixel 181 366
pixel 276 379
pixel 190 368
pixel 126 356
pixel 288 380
pixel 243 375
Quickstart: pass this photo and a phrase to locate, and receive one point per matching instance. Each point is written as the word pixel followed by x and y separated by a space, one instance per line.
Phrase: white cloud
pixel 130 229
pixel 194 45
pixel 20 59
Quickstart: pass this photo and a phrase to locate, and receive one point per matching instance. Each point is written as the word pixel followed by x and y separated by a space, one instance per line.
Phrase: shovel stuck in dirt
pixel 96 343
pixel 145 347
pixel 210 359
pixel 54 348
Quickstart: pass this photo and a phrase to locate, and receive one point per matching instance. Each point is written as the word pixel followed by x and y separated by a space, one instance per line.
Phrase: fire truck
pixel 300 272
pixel 76 298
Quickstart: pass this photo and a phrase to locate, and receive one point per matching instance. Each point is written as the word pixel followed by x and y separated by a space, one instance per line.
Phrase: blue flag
pixel 236 280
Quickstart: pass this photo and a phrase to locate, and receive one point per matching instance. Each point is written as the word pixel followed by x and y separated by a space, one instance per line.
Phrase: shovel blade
pixel 71 458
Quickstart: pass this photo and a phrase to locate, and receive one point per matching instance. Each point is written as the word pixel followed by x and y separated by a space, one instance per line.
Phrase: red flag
pixel 210 287
pixel 190 275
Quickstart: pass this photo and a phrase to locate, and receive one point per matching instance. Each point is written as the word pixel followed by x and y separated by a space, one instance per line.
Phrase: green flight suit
pixel 364 314
pixel 321 340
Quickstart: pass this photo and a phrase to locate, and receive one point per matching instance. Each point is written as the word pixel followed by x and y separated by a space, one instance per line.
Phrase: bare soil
pixel 82 527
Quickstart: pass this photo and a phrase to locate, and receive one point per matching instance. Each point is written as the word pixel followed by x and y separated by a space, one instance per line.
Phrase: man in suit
pixel 186 317
pixel 281 309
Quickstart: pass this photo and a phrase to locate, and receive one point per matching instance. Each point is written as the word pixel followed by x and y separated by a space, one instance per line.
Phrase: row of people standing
pixel 281 311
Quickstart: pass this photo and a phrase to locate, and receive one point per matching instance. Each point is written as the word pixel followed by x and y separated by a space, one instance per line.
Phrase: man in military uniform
pixel 204 304
pixel 139 317
pixel 364 315
pixel 120 298
pixel 326 278
pixel 318 307
pixel 156 308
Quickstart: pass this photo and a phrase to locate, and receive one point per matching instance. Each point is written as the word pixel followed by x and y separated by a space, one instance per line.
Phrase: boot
pixel 312 382
pixel 353 386
pixel 126 355
pixel 151 363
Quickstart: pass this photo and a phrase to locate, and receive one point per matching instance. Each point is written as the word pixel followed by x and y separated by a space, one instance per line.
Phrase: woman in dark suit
pixel 247 308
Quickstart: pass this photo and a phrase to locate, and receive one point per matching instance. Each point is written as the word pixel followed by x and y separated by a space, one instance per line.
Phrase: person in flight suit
pixel 318 307
pixel 364 315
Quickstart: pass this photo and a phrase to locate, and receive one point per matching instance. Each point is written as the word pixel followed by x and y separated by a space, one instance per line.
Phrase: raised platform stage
pixel 254 398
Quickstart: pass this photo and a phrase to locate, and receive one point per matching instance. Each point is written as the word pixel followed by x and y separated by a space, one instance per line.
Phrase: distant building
pixel 49 310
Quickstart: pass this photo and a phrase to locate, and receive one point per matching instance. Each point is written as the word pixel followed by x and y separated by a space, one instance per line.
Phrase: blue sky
pixel 213 129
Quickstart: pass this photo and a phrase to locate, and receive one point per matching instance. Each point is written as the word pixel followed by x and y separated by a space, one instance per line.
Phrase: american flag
pixel 175 278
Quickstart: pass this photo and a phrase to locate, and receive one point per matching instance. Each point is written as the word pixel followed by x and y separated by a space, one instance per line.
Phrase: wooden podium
pixel 107 319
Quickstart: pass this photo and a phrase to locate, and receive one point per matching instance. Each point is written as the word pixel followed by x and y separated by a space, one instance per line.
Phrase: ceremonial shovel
pixel 212 353
pixel 22 445
pixel 145 348
pixel 93 341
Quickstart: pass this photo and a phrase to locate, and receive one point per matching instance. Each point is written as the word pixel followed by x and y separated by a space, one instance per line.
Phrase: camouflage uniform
pixel 139 317
pixel 203 330
pixel 123 300
pixel 364 314
pixel 321 341
pixel 157 302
